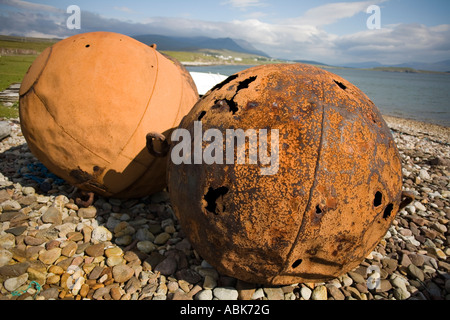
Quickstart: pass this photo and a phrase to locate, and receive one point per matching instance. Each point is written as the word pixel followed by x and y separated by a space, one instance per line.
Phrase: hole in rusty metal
pixel 318 210
pixel 341 85
pixel 212 197
pixel 230 103
pixel 388 211
pixel 244 84
pixel 202 114
pixel 297 263
pixel 224 82
pixel 378 199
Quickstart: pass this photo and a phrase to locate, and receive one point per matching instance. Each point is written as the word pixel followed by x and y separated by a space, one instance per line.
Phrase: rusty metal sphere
pixel 337 188
pixel 87 103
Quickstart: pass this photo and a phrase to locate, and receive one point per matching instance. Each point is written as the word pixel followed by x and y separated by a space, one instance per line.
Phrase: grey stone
pixel 415 272
pixel 416 259
pixel 14 270
pixel 145 246
pixel 5 130
pixel 336 293
pixel 225 293
pixel 358 278
pixel 401 294
pixel 447 285
pixel 51 293
pixel 400 291
pixel 384 286
pixel 434 290
pixel 12 284
pixel 206 294
pixel 17 231
pixel 144 234
pixel 188 275
pixel 423 174
pixel 167 267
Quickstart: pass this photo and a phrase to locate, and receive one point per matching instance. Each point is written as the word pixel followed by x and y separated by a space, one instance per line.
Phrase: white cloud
pixel 256 15
pixel 123 9
pixel 398 43
pixel 30 6
pixel 243 4
pixel 293 39
pixel 330 13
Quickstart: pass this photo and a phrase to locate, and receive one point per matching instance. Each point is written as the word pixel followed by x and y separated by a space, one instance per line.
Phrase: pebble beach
pixel 53 249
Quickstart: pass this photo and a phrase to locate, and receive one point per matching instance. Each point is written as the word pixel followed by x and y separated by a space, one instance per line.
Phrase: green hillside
pixel 24 43
pixel 16 56
pixel 212 56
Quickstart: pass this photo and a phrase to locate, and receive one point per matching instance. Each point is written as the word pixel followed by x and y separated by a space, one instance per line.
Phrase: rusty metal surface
pixel 336 192
pixel 87 103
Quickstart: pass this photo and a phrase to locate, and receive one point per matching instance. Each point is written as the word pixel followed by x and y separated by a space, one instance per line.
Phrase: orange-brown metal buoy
pixel 87 103
pixel 331 188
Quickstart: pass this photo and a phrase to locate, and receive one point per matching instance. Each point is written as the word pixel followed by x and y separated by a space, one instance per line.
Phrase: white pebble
pixel 225 293
pixel 204 295
pixel 305 292
pixel 420 206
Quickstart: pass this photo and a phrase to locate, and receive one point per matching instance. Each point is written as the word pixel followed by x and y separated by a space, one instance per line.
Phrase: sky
pixel 333 32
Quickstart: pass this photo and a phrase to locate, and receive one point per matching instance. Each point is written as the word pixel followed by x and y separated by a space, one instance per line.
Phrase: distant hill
pixel 169 43
pixel 441 66
pixel 363 65
pixel 311 62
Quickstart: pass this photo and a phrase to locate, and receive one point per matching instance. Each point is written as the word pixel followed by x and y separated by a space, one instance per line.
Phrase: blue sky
pixel 329 31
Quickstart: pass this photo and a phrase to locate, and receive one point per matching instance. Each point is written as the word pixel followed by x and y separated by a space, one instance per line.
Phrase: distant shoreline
pixel 382 69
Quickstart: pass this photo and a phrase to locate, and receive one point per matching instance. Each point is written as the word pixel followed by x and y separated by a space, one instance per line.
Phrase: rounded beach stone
pixel 50 256
pixel 225 293
pixel 122 273
pixel 12 284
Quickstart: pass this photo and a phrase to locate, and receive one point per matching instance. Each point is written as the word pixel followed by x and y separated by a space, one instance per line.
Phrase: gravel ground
pixel 52 248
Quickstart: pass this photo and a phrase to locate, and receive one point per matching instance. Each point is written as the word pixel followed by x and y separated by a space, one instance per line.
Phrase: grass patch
pixel 188 56
pixel 9 112
pixel 35 44
pixel 13 69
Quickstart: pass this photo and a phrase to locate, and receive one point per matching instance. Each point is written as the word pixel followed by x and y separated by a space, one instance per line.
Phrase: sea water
pixel 418 96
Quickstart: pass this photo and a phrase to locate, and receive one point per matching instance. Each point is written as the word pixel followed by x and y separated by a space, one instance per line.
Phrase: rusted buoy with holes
pixel 87 104
pixel 331 188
